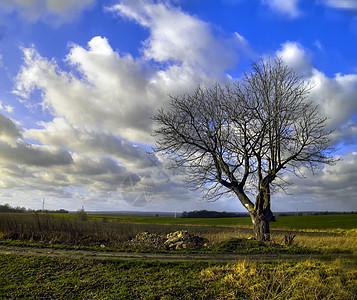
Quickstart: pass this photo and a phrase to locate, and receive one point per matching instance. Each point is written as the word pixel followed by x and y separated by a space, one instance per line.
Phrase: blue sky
pixel 81 79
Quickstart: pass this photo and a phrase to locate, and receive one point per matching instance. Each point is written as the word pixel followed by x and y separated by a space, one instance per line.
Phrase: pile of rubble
pixel 172 241
pixel 147 240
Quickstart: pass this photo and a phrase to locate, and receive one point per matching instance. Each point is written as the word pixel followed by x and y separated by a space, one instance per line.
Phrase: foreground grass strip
pixel 64 278
pixel 39 277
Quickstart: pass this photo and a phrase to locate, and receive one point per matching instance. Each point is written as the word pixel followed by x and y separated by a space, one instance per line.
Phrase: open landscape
pixel 88 256
pixel 232 123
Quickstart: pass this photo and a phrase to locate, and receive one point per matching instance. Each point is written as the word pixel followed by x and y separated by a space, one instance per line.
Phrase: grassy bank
pixel 74 278
pixel 52 278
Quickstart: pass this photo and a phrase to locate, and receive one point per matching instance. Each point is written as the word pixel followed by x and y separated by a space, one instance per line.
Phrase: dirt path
pixel 208 257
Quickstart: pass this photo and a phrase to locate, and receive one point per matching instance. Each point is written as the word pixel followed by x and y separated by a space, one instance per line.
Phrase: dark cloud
pixel 8 128
pixel 95 167
pixel 52 11
pixel 60 133
pixel 346 134
pixel 23 153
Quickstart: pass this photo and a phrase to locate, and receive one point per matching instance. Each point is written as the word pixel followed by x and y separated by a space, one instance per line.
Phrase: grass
pixel 33 277
pixel 308 279
pixel 73 278
pixel 318 222
pixel 49 278
pixel 176 221
pixel 112 231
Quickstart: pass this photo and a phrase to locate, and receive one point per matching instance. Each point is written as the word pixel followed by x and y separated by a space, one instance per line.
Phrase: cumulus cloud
pixel 110 92
pixel 335 96
pixel 173 33
pixel 184 44
pixel 296 56
pixel 346 134
pixel 101 103
pixel 58 132
pixel 54 171
pixel 94 145
pixel 13 149
pixel 111 95
pixel 330 190
pixel 288 8
pixel 8 130
pixel 28 154
pixel 55 11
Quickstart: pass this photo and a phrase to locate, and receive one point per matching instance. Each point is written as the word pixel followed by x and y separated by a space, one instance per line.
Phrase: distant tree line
pixel 314 213
pixel 211 214
pixel 6 208
pixel 217 214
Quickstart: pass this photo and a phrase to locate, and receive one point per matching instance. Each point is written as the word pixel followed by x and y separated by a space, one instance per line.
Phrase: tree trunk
pixel 262 214
pixel 261 226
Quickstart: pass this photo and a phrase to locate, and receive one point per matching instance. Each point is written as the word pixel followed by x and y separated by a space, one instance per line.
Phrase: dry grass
pixel 219 236
pixel 309 279
pixel 327 239
pixel 71 231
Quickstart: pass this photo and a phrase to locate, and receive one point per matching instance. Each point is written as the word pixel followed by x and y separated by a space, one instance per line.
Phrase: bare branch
pixel 233 138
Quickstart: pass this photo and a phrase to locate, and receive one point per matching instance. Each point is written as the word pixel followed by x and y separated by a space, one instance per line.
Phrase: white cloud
pixel 96 143
pixel 288 8
pixel 14 149
pixel 319 45
pixel 346 134
pixel 350 5
pixel 184 43
pixel 294 55
pixel 330 190
pixel 117 94
pixel 55 11
pixel 336 96
pixel 102 100
pixel 53 171
pixel 7 108
pixel 112 93
pixel 102 103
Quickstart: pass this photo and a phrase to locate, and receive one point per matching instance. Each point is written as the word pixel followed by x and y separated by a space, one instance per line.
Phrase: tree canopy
pixel 244 136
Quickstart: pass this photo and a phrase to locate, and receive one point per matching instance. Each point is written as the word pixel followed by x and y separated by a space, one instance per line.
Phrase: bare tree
pixel 244 137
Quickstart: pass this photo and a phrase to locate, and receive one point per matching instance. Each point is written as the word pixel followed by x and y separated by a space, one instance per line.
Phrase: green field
pixel 320 222
pixel 331 275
